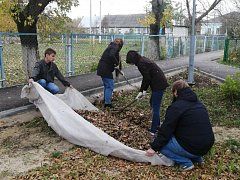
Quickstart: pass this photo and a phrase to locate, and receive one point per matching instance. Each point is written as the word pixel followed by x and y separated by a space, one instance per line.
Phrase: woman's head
pixel 132 57
pixel 119 42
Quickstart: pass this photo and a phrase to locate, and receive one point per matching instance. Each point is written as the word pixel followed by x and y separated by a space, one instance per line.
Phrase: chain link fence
pixel 232 51
pixel 80 53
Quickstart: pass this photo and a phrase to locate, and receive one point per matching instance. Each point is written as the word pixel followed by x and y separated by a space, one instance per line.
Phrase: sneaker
pixel 151 133
pixel 108 106
pixel 187 168
pixel 198 161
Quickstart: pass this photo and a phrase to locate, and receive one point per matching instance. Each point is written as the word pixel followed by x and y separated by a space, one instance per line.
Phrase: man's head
pixel 119 42
pixel 132 57
pixel 178 86
pixel 50 55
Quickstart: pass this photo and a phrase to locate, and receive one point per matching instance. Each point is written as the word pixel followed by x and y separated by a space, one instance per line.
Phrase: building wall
pixel 211 28
pixel 180 31
pixel 120 30
pixel 177 31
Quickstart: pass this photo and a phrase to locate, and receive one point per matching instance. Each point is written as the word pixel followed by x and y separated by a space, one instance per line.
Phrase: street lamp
pixel 90 24
pixel 192 47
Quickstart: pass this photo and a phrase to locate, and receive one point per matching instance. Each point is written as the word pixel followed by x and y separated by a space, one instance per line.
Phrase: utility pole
pixel 90 24
pixel 100 24
pixel 192 47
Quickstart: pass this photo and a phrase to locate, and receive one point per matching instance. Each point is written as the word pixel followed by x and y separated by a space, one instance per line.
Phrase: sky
pixel 111 7
pixel 114 7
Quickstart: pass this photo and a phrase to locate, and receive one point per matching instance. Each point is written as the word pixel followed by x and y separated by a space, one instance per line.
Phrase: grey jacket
pixel 42 70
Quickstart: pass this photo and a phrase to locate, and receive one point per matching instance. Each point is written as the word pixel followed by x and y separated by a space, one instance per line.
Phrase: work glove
pixel 141 95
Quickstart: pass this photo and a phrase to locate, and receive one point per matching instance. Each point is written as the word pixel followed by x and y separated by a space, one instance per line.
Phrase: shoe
pixel 151 133
pixel 187 168
pixel 198 161
pixel 108 106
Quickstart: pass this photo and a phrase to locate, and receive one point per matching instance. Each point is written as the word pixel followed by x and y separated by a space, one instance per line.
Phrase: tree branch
pixel 188 10
pixel 214 4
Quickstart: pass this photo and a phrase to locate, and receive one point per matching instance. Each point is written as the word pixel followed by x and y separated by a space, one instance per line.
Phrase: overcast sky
pixel 114 7
pixel 108 7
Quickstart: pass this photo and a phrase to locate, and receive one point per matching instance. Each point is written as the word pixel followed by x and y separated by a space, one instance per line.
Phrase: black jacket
pixel 187 119
pixel 109 60
pixel 153 76
pixel 42 70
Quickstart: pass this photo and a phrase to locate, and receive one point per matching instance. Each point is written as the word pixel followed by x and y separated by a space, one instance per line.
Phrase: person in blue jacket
pixel 186 133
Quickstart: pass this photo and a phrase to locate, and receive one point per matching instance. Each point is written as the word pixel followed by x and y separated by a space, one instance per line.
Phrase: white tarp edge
pixel 74 128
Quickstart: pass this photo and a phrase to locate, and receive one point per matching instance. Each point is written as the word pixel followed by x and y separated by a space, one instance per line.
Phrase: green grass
pixel 85 58
pixel 230 63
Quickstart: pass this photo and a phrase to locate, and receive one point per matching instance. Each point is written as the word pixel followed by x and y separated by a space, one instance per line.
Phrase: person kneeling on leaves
pixel 186 133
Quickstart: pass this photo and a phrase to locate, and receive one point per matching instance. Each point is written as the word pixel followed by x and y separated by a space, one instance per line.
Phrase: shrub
pixel 231 87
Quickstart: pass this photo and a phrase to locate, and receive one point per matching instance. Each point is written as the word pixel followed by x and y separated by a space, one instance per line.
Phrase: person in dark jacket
pixel 109 61
pixel 186 134
pixel 154 77
pixel 45 71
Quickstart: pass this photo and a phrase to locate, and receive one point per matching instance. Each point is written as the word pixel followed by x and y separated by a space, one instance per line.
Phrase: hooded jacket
pixel 153 76
pixel 187 119
pixel 109 60
pixel 42 70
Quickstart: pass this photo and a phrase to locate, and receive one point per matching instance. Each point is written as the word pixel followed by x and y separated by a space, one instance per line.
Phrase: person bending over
pixel 154 77
pixel 109 61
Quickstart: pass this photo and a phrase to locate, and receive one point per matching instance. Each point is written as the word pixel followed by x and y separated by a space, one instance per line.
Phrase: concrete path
pixel 91 83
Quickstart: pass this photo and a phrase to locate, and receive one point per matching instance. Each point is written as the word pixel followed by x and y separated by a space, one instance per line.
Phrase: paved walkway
pixel 90 83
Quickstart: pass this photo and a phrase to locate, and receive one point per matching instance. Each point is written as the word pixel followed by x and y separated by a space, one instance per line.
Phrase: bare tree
pixel 207 8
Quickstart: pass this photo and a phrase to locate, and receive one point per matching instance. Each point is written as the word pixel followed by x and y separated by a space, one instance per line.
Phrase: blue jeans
pixel 156 100
pixel 175 152
pixel 51 87
pixel 108 89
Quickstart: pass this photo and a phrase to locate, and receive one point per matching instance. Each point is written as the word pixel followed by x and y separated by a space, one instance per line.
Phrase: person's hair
pixel 132 57
pixel 49 51
pixel 179 85
pixel 118 41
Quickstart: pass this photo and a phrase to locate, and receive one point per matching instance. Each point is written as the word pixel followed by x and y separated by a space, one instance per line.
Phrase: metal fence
pixel 80 53
pixel 232 50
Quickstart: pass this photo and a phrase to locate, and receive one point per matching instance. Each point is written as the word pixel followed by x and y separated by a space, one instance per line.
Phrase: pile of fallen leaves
pixel 129 127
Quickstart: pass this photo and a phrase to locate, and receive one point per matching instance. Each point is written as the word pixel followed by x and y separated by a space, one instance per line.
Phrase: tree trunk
pixel 29 44
pixel 153 46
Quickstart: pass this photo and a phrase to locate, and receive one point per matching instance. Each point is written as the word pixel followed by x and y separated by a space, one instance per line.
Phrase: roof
pixel 223 18
pixel 123 21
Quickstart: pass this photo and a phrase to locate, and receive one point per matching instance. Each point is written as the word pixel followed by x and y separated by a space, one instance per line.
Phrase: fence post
pixel 142 48
pixel 179 46
pixel 226 48
pixel 204 44
pixel 69 62
pixel 2 74
pixel 212 46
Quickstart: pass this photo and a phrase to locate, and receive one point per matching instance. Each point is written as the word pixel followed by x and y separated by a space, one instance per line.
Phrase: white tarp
pixel 74 128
